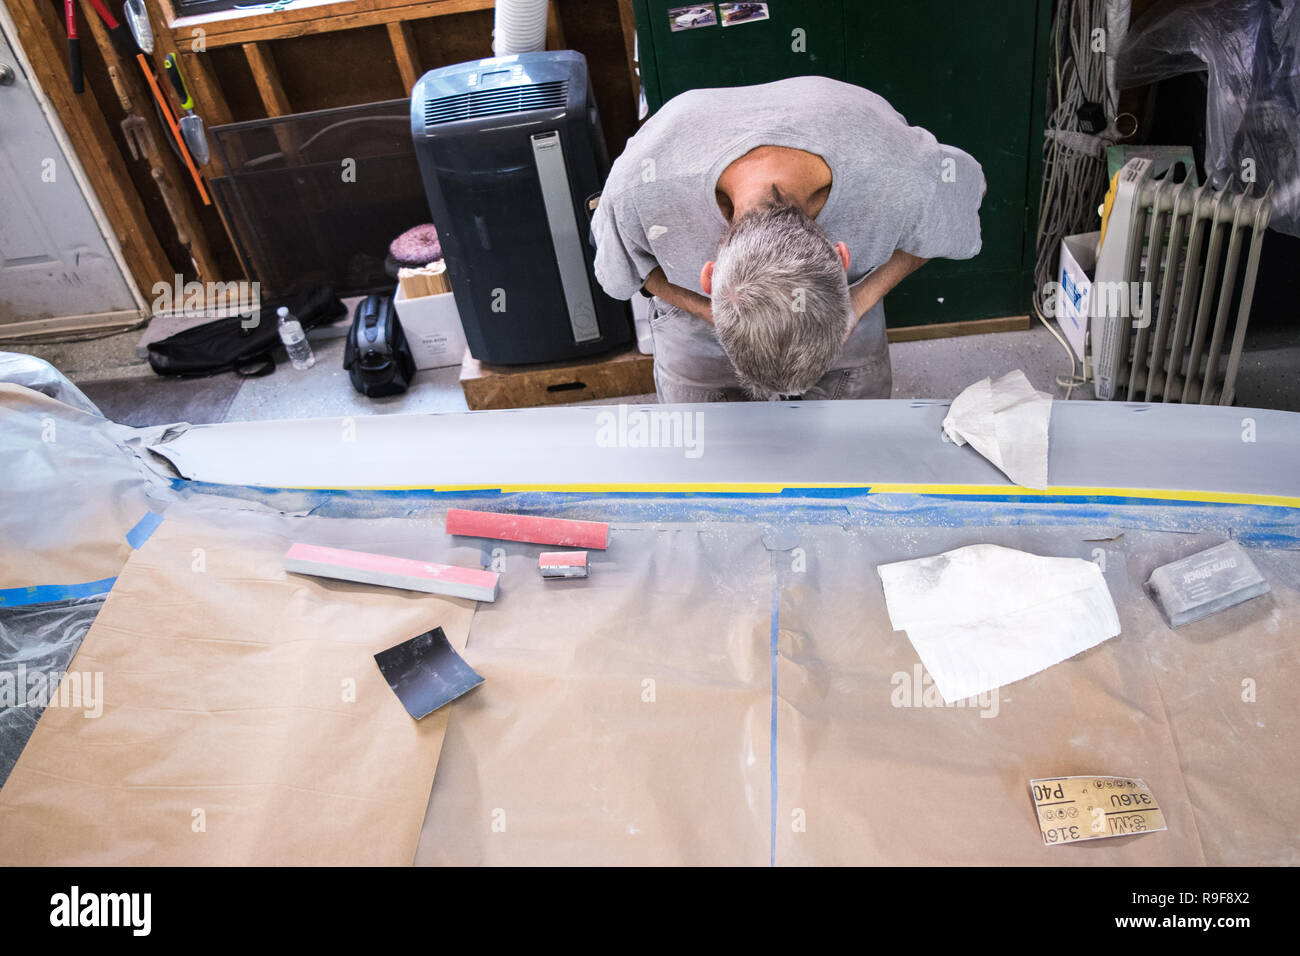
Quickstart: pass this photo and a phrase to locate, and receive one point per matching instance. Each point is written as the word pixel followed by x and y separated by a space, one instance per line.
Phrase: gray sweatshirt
pixel 893 185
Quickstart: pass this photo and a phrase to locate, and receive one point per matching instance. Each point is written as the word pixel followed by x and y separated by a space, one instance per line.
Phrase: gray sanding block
pixel 1196 586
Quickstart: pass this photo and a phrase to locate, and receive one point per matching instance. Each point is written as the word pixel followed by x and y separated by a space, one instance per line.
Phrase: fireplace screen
pixel 316 198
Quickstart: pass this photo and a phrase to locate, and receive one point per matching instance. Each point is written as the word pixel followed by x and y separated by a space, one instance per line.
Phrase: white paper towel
pixel 1006 421
pixel 984 616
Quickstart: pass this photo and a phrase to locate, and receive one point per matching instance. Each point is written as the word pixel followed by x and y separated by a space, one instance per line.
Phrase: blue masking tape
pixel 46 593
pixel 146 526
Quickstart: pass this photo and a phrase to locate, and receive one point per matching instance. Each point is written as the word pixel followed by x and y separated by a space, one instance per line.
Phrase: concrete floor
pixel 115 376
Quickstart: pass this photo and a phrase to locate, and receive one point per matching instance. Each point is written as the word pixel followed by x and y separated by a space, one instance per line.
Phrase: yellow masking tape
pixel 776 488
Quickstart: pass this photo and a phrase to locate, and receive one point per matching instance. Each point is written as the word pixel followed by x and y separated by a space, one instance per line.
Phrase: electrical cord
pixel 1074 177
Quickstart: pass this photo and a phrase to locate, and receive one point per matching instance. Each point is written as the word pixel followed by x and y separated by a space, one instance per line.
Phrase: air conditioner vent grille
pixel 507 99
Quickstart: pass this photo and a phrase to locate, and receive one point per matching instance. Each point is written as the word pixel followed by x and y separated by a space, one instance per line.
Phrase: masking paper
pixel 876 769
pixel 244 721
pixel 624 719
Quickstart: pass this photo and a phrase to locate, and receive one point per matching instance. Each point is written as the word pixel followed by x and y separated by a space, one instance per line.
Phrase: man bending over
pixel 767 223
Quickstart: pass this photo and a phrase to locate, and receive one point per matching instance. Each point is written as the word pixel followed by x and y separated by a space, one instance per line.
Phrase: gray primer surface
pixel 1093 444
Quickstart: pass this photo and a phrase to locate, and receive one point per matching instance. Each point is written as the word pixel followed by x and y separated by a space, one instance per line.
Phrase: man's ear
pixel 706 278
pixel 843 252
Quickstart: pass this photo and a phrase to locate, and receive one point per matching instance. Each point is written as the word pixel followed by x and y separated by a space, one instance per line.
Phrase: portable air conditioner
pixel 511 151
pixel 1174 284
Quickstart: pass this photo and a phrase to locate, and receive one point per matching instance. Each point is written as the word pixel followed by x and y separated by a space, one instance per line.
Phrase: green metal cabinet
pixel 973 73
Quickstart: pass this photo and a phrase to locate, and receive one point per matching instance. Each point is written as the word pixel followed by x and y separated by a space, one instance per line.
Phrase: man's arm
pixel 656 283
pixel 899 266
pixel 871 289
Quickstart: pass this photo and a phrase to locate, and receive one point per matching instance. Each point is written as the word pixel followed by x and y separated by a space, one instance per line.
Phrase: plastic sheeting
pixel 1252 119
pixel 40 376
pixel 36 644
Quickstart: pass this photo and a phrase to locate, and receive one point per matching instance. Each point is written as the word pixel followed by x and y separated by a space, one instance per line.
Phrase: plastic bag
pixel 1251 52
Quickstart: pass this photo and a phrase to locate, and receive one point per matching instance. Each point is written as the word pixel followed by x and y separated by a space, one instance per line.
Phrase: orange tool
pixel 175 128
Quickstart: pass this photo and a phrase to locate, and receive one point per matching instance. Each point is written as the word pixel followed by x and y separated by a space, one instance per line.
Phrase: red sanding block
pixel 392 572
pixel 562 564
pixel 558 531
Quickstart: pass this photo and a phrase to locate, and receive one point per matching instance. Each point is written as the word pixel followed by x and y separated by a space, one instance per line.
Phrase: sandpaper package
pixel 243 720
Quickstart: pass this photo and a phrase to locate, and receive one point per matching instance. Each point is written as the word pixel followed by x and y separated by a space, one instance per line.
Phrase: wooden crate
pixel 556 383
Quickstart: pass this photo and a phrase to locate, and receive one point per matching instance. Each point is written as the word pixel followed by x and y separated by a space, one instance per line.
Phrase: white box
pixel 1078 263
pixel 433 329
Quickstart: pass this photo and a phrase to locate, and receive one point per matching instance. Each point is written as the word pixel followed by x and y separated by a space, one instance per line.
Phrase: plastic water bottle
pixel 295 340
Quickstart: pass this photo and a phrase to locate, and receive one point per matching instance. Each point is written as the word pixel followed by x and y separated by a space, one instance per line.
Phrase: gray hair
pixel 781 305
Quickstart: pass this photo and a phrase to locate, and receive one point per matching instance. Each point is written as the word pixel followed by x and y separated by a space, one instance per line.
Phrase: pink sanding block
pixel 392 572
pixel 561 532
pixel 562 564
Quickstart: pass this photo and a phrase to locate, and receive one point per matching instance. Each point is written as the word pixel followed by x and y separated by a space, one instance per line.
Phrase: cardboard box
pixel 1078 264
pixel 433 329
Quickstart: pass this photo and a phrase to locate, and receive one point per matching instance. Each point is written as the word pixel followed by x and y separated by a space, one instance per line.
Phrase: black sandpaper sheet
pixel 426 672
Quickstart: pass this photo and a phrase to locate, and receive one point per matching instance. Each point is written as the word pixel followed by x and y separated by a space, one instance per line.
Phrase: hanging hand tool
pixel 141 141
pixel 137 134
pixel 177 136
pixel 137 19
pixel 117 31
pixel 191 126
pixel 74 46
pixel 134 128
pixel 120 37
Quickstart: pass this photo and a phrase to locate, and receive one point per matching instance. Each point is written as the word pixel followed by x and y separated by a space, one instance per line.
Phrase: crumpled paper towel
pixel 1006 421
pixel 985 616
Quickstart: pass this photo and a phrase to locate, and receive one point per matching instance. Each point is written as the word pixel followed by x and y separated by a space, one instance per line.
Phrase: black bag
pixel 377 357
pixel 225 345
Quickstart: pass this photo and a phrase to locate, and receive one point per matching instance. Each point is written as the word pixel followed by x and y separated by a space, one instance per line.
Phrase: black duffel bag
pixel 226 345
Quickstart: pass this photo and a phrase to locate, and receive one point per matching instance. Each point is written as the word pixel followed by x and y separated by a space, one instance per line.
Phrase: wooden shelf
pixel 306 17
